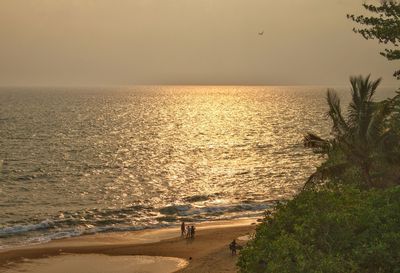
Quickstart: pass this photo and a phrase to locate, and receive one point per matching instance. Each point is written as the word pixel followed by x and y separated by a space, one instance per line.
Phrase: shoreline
pixel 207 251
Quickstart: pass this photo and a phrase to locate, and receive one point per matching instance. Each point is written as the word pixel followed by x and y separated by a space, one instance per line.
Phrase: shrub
pixel 340 230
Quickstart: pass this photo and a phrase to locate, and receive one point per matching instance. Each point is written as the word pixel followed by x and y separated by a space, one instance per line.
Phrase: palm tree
pixel 361 137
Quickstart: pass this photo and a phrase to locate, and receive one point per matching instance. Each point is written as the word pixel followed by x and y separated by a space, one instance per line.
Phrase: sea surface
pixel 78 161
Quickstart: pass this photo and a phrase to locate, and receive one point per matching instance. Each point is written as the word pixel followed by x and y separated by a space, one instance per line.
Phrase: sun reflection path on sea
pixel 243 144
pixel 93 157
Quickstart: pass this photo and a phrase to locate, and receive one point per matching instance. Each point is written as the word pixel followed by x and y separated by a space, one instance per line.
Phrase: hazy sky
pixel 123 42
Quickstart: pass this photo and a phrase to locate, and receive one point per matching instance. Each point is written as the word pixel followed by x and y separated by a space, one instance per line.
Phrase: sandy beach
pixel 113 252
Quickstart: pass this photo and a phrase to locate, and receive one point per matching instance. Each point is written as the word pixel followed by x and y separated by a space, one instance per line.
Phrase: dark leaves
pixel 385 27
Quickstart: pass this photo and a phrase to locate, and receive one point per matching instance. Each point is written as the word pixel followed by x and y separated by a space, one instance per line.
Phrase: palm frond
pixel 335 113
pixel 361 108
pixel 376 124
pixel 318 144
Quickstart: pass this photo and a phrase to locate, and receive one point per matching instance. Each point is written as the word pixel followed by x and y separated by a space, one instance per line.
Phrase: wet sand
pixel 207 252
pixel 99 263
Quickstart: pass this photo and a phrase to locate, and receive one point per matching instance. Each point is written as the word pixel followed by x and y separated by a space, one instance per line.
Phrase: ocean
pixel 77 161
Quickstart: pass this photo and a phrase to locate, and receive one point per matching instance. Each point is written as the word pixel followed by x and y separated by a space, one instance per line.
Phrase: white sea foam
pixel 17 229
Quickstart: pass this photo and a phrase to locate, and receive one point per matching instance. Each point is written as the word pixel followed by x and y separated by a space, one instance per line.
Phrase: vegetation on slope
pixel 337 230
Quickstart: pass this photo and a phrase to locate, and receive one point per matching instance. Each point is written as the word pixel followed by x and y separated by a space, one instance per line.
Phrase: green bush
pixel 344 230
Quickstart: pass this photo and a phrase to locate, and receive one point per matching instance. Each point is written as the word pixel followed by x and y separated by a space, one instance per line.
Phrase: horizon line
pixel 175 85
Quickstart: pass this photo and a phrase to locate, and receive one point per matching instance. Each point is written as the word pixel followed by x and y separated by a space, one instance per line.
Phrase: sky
pixel 210 42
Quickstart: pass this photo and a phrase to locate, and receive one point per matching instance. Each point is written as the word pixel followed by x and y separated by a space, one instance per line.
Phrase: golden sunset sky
pixel 126 42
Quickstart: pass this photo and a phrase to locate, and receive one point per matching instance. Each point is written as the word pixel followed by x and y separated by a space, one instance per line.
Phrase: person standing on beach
pixel 233 246
pixel 192 231
pixel 183 229
pixel 188 229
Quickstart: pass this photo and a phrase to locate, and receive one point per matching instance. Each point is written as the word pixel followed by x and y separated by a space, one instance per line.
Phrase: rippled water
pixel 76 161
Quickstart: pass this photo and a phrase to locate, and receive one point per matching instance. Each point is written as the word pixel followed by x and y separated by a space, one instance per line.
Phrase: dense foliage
pixel 341 230
pixel 384 26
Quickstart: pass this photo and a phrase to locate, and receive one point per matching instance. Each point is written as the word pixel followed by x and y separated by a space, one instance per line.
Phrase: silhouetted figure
pixel 183 229
pixel 188 231
pixel 233 246
pixel 192 231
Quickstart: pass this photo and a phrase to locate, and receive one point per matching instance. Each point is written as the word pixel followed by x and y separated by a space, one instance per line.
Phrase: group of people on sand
pixel 187 231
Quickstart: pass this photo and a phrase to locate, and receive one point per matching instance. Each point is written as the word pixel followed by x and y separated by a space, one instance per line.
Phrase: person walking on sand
pixel 183 229
pixel 192 231
pixel 233 246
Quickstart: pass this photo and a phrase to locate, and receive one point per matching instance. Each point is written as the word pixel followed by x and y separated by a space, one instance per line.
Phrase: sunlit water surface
pixel 78 161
